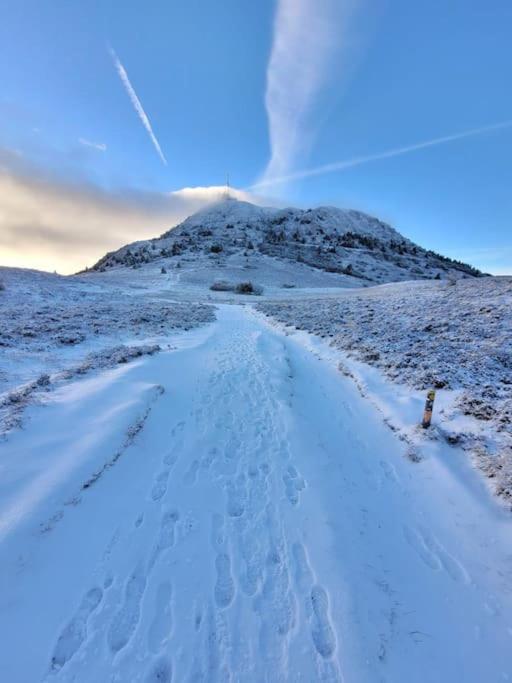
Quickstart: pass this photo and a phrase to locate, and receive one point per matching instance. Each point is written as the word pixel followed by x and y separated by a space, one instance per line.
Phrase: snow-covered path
pixel 256 521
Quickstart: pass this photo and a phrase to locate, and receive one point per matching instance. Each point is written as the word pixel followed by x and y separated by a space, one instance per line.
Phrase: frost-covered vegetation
pixel 446 335
pixel 348 243
pixel 41 310
pixel 246 287
pixel 57 327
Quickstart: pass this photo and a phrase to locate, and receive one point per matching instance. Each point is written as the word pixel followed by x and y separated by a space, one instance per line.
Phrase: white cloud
pixel 358 161
pixel 100 146
pixel 136 104
pixel 308 34
pixel 213 193
pixel 50 224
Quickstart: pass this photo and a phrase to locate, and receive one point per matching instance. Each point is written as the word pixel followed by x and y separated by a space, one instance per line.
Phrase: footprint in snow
pixel 161 671
pixel 322 632
pixel 160 628
pixel 191 474
pixel 75 633
pixel 160 486
pixel 224 586
pixel 294 484
pixel 125 621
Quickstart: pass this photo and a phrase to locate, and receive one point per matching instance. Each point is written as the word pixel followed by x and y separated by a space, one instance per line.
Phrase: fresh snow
pixel 355 248
pixel 233 509
pixel 53 327
pixel 201 485
pixel 453 336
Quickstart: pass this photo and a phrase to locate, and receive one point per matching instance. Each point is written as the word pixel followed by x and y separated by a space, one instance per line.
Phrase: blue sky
pixel 262 90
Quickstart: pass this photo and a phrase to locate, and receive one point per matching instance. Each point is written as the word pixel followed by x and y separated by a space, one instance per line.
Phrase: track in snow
pixel 264 525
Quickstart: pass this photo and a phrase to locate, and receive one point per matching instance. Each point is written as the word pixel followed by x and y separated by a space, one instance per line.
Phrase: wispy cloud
pixel 307 35
pixel 48 222
pixel 136 103
pixel 214 193
pixel 100 146
pixel 395 152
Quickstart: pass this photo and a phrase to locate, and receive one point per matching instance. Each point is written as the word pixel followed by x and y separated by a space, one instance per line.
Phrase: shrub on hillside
pixel 248 288
pixel 222 286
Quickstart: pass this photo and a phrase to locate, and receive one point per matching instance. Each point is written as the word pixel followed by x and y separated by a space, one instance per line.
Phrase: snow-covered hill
pixel 192 491
pixel 359 249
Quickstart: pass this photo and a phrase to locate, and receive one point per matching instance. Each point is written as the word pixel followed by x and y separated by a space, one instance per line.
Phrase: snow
pixel 455 337
pixel 233 509
pixel 356 248
pixel 203 485
pixel 52 327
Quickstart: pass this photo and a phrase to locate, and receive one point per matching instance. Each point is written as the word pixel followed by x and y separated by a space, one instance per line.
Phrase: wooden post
pixel 429 407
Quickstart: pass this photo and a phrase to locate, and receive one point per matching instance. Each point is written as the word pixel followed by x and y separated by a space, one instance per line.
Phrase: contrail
pixel 136 103
pixel 100 146
pixel 397 151
pixel 309 36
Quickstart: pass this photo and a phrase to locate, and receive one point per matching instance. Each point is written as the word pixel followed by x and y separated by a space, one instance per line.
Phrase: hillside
pixel 453 336
pixel 231 509
pixel 227 456
pixel 359 248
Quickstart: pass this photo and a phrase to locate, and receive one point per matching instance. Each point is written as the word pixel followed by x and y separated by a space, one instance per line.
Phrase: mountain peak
pixel 357 248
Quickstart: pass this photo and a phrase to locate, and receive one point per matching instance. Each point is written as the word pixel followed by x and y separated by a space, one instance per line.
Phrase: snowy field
pixel 191 276
pixel 234 510
pixel 191 490
pixel 455 337
pixel 52 327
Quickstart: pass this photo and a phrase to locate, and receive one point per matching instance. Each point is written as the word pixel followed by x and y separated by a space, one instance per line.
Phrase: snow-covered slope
pixel 232 508
pixel 452 336
pixel 53 327
pixel 353 245
pixel 236 512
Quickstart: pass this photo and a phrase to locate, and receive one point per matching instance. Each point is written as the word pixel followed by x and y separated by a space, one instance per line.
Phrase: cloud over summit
pixel 48 223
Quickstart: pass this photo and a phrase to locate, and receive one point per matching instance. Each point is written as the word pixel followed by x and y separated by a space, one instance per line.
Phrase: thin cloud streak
pixel 136 103
pixel 397 151
pixel 307 36
pixel 100 146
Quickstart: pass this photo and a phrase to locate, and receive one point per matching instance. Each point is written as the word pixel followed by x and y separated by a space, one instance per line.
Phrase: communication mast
pixel 227 193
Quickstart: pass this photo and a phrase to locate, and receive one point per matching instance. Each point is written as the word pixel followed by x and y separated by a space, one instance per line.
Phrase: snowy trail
pixel 235 511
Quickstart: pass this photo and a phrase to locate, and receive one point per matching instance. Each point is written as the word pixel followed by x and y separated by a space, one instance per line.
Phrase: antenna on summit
pixel 227 193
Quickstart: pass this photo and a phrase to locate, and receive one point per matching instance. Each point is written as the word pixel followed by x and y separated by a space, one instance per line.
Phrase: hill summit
pixel 360 248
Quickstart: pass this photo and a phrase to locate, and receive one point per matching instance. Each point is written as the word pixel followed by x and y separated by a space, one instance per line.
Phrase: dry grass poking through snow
pixel 431 334
pixel 53 328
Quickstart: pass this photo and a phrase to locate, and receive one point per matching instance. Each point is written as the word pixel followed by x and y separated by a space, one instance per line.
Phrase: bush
pixel 240 288
pixel 2 286
pixel 222 286
pixel 216 248
pixel 248 288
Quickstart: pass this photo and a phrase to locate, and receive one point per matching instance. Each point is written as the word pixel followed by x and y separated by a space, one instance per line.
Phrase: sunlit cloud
pixel 50 224
pixel 213 193
pixel 100 146
pixel 308 34
pixel 136 103
pixel 388 154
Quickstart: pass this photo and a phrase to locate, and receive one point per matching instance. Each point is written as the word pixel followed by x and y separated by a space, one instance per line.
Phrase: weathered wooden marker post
pixel 429 407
